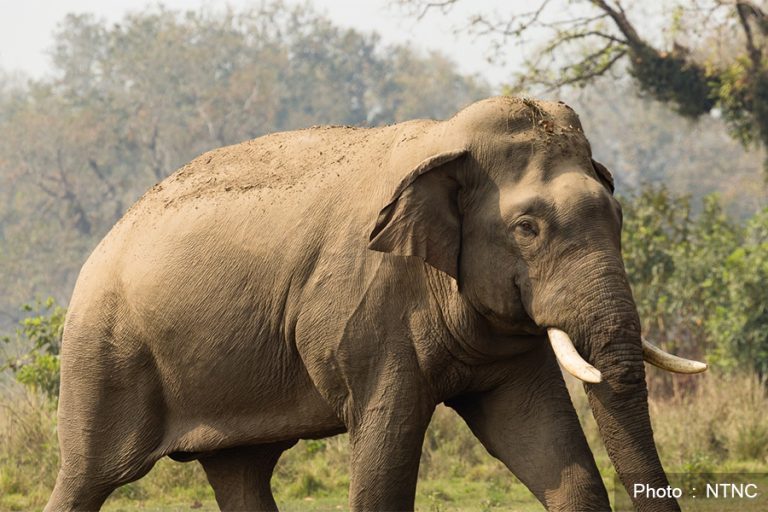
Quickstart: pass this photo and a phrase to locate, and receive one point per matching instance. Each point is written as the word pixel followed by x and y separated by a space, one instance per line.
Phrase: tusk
pixel 570 359
pixel 665 361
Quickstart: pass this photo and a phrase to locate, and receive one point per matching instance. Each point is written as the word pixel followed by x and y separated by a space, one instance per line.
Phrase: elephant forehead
pixel 505 114
pixel 559 112
pixel 531 154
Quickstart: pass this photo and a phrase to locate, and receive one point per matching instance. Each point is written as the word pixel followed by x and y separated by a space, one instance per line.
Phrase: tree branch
pixel 421 8
pixel 745 9
pixel 526 20
pixel 99 174
pixel 111 190
pixel 577 22
pixel 47 190
pixel 622 23
pixel 599 71
pixel 581 35
pixel 82 223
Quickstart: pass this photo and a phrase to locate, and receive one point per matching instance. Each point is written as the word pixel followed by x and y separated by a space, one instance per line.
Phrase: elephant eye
pixel 527 228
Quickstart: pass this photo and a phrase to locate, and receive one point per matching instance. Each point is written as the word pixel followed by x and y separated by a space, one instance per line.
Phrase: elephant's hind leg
pixel 110 418
pixel 240 476
pixel 87 490
pixel 73 492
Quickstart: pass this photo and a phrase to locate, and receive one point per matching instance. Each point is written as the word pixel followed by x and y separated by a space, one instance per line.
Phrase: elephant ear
pixel 422 218
pixel 603 174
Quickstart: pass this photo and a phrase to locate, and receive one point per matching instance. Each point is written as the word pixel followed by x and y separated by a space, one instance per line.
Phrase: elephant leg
pixel 109 425
pixel 386 448
pixel 529 423
pixel 84 483
pixel 77 492
pixel 240 476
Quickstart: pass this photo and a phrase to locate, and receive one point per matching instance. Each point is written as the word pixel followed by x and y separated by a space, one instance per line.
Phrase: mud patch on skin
pixel 538 115
pixel 260 165
pixel 556 130
pixel 543 120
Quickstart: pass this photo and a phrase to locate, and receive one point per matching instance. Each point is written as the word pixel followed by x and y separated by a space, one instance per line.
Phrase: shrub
pixel 40 336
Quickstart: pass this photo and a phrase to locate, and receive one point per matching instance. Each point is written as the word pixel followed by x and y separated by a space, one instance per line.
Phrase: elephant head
pixel 508 202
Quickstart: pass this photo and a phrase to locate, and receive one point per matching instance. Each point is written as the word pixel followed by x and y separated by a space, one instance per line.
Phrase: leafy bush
pixel 40 336
pixel 699 280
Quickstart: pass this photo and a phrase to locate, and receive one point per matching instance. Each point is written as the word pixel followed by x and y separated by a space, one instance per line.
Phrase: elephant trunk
pixel 605 328
pixel 612 343
pixel 620 406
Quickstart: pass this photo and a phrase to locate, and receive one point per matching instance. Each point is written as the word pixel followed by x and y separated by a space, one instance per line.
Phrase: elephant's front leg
pixel 529 423
pixel 386 436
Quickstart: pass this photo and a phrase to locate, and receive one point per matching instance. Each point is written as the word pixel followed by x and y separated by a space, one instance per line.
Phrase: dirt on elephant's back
pixel 278 162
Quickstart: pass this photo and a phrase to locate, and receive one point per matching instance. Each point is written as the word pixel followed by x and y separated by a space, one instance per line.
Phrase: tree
pixel 712 54
pixel 422 86
pixel 699 279
pixel 742 323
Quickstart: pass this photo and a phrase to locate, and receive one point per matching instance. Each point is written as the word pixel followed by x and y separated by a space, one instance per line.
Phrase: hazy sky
pixel 26 27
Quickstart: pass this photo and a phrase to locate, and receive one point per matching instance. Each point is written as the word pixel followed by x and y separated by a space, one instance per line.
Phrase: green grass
pixel 717 427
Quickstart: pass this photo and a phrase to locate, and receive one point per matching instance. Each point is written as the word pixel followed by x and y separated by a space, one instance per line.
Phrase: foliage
pixel 699 280
pixel 40 336
pixel 743 95
pixel 740 323
pixel 720 422
pixel 672 78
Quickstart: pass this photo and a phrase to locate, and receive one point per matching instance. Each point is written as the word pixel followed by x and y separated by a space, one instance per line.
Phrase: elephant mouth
pixel 573 363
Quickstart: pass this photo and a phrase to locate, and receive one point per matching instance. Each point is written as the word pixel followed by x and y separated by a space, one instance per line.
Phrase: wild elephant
pixel 336 279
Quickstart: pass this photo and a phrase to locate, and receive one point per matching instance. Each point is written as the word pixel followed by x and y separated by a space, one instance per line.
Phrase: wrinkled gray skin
pixel 267 292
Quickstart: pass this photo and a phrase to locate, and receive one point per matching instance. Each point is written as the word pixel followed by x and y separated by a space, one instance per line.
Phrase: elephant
pixel 339 279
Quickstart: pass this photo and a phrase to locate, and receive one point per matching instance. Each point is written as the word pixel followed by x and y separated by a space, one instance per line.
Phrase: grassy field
pixel 718 427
